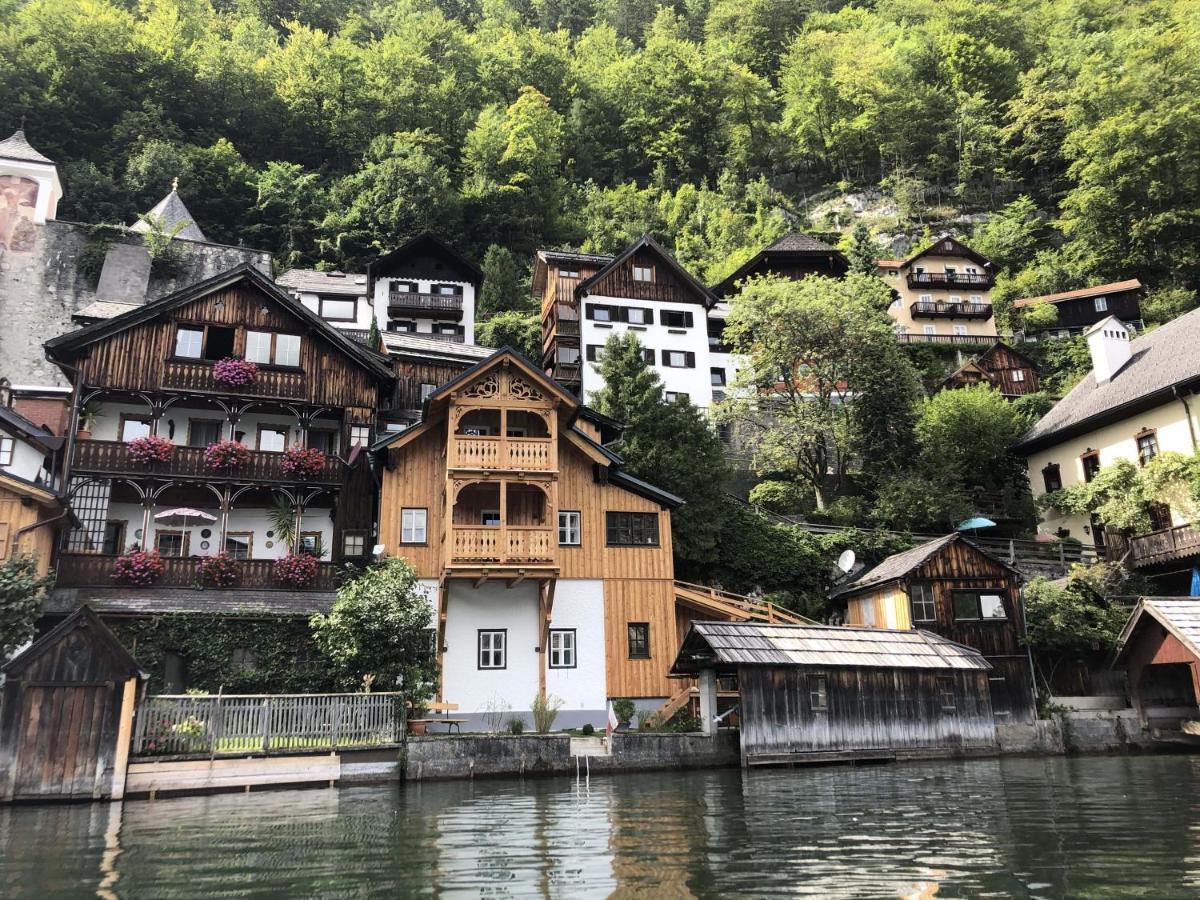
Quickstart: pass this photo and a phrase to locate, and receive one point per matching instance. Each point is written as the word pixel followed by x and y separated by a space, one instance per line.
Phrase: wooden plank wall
pixel 639 600
pixel 411 375
pixel 15 515
pixel 871 610
pixel 416 478
pixel 666 287
pixel 1000 362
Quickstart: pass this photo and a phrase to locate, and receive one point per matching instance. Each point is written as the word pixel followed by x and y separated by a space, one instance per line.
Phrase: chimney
pixel 1108 343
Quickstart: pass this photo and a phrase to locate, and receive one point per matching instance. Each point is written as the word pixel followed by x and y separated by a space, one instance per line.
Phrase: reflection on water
pixel 1092 827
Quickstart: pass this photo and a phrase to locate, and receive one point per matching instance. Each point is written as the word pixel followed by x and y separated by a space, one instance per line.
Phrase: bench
pixel 444 719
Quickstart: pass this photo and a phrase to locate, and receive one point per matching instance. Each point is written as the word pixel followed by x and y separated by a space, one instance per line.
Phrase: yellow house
pixel 942 295
pixel 31 506
pixel 1139 400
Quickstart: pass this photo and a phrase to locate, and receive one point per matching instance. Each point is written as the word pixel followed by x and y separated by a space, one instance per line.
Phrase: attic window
pixel 643 273
pixel 568 273
pixel 1101 304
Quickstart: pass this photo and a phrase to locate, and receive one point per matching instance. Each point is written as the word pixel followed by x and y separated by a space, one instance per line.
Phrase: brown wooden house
pixel 1081 309
pixel 1159 649
pixel 795 255
pixel 1009 371
pixel 951 587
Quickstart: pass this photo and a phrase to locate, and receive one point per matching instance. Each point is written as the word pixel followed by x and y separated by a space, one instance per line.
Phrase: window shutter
pixel 590 310
pixel 649 316
pixel 622 314
pixel 691 357
pixel 687 320
pixel 666 357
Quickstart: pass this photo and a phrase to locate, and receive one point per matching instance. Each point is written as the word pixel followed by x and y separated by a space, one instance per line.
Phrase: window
pixel 258 346
pixel 312 543
pixel 1052 478
pixel 635 315
pixel 490 518
pixel 676 318
pixel 976 605
pixel 971 270
pixel 202 432
pixel 960 330
pixel 1101 304
pixel 716 376
pixel 951 271
pixel 594 352
pixel 134 427
pixel 360 435
pixel 447 290
pixel 956 298
pixel 354 543
pixel 404 287
pixel 412 526
pixel 442 328
pixel 818 693
pixel 6 451
pixel 189 343
pixel 1018 375
pixel 218 342
pixel 427 390
pixel 945 685
pixel 569 523
pixel 492 649
pixel 170 543
pixel 926 298
pixel 679 359
pixel 337 309
pixel 323 439
pixel 648 356
pixel 638 635
pixel 287 350
pixel 272 439
pixel 403 327
pixel 568 273
pixel 1147 446
pixel 114 539
pixel 976 298
pixel 930 330
pixel 920 600
pixel 562 648
pixel 238 544
pixel 631 529
pixel 643 273
pixel 1160 516
pixel 599 313
pixel 1091 464
pixel 676 396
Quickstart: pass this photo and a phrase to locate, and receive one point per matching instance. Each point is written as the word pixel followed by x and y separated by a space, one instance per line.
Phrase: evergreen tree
pixel 863 250
pixel 505 283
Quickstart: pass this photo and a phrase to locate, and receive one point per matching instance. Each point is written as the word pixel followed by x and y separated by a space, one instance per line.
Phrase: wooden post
pixel 124 736
pixel 335 715
pixel 707 683
pixel 266 724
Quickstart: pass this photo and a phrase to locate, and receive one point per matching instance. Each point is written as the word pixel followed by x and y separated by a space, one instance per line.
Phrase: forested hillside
pixel 323 129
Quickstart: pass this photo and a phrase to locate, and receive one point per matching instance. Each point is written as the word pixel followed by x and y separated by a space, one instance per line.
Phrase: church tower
pixel 29 192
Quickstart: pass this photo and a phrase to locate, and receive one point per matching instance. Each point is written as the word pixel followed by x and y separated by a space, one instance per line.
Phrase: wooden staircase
pixel 735 607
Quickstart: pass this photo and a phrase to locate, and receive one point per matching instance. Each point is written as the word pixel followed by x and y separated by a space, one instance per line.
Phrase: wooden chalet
pixel 32 507
pixel 1159 649
pixel 951 587
pixel 154 373
pixel 1081 309
pixel 1009 371
pixel 818 693
pixel 795 256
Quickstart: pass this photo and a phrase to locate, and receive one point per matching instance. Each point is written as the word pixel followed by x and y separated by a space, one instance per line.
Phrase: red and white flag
pixel 612 721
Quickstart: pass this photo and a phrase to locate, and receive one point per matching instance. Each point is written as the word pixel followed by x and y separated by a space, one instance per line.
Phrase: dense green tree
pixel 505 284
pixel 20 602
pixel 862 250
pixel 519 330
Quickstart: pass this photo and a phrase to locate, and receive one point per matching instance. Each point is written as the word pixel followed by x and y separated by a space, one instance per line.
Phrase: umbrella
pixel 1195 582
pixel 974 524
pixel 181 516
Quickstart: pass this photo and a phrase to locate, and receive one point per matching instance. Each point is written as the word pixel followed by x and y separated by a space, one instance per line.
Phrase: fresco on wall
pixel 18 199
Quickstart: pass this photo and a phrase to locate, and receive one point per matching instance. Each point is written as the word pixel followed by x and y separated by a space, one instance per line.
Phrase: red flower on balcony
pixel 235 371
pixel 226 454
pixel 301 462
pixel 219 571
pixel 146 451
pixel 139 567
pixel 296 570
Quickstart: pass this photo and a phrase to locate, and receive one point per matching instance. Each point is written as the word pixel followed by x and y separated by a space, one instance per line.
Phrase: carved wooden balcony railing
pixel 187 375
pixel 112 458
pixel 521 454
pixel 96 570
pixel 1166 545
pixel 503 544
pixel 923 309
pixel 433 306
pixel 948 280
pixel 967 340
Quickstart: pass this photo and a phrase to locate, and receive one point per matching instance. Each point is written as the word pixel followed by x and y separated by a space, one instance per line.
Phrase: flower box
pixel 235 372
pixel 151 449
pixel 139 567
pixel 296 570
pixel 226 454
pixel 218 571
pixel 299 462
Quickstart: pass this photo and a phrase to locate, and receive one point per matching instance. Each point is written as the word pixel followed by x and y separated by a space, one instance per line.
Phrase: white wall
pixel 362 309
pixel 425 286
pixel 108 423
pixel 28 461
pixel 579 604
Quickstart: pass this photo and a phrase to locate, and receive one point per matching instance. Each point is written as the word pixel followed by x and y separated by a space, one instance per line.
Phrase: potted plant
pixel 151 449
pixel 140 567
pixel 226 454
pixel 624 710
pixel 235 371
pixel 417 711
pixel 296 570
pixel 219 571
pixel 87 421
pixel 302 462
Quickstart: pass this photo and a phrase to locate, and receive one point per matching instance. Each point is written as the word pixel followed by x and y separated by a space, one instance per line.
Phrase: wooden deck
pixel 96 570
pixel 1166 545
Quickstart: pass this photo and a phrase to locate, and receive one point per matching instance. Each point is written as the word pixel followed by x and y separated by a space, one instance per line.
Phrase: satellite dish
pixel 846 561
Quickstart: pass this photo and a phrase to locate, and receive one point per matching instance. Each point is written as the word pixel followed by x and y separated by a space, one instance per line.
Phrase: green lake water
pixel 1082 827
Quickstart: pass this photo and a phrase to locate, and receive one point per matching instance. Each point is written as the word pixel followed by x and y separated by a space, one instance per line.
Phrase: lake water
pixel 1084 827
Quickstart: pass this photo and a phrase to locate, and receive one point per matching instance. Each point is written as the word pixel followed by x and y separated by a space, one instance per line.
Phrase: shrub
pixel 545 711
pixel 296 570
pixel 219 571
pixel 138 567
pixel 235 372
pixel 226 454
pixel 150 449
pixel 20 602
pixel 515 725
pixel 302 462
pixel 588 728
pixel 624 710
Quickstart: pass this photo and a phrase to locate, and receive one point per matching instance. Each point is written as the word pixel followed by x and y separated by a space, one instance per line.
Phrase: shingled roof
pixel 900 564
pixel 730 644
pixel 311 281
pixel 16 147
pixel 1178 615
pixel 1163 361
pixel 799 242
pixel 170 212
pixel 1116 287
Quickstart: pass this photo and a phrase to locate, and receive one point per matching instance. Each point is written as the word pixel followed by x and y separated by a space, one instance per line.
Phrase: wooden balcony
pixel 196 376
pixel 940 310
pixel 96 570
pixel 961 340
pixel 1167 545
pixel 503 545
pixel 949 280
pixel 112 458
pixel 507 454
pixel 429 306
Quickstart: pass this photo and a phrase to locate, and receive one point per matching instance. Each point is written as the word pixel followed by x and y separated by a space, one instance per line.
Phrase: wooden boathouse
pixel 822 693
pixel 1159 649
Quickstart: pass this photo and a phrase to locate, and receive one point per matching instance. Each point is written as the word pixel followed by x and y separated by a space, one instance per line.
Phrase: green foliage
pixel 1167 302
pixel 624 710
pixel 1039 315
pixel 862 250
pixel 520 330
pixel 1062 362
pixel 1073 616
pixel 1013 235
pixel 778 496
pixel 21 593
pixel 379 626
pixel 505 284
pixel 1121 493
pixel 544 710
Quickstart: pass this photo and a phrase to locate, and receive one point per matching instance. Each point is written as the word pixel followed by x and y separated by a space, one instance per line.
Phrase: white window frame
pixel 414 525
pixel 493 642
pixel 562 648
pixel 287 350
pixel 682 359
pixel 930 330
pixel 258 346
pixel 960 330
pixel 976 298
pixel 1100 304
pixel 570 527
pixel 1018 375
pixel 182 346
pixel 926 298
pixel 7 449
pixel 360 435
pixel 643 273
pixel 926 599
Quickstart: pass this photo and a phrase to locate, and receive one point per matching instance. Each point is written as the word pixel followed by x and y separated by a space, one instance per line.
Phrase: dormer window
pixel 643 272
pixel 338 309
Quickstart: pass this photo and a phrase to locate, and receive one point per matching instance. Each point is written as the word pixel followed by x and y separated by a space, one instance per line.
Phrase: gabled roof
pixel 311 281
pixel 795 245
pixel 1116 287
pixel 898 565
pixel 978 364
pixel 427 243
pixel 65 346
pixel 402 343
pixel 82 618
pixel 1162 362
pixel 575 256
pixel 937 248
pixel 646 242
pixel 19 426
pixel 170 212
pixel 760 644
pixel 1178 615
pixel 15 146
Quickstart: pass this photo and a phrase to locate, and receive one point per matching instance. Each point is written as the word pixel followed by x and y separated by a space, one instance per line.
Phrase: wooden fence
pixel 212 725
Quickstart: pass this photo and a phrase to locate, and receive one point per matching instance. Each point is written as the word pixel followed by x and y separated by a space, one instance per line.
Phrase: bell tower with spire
pixel 29 191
